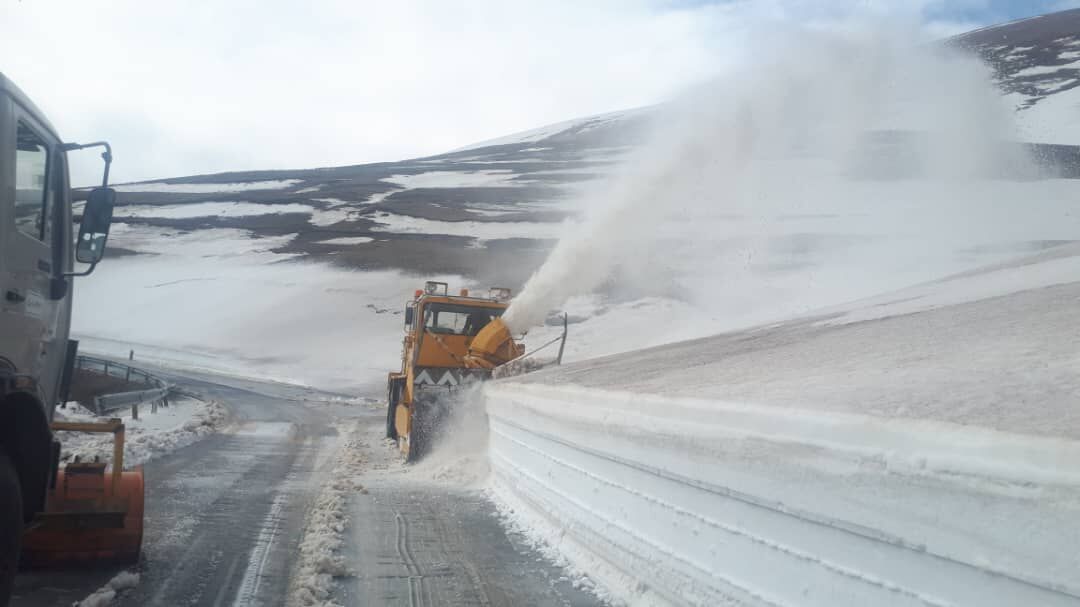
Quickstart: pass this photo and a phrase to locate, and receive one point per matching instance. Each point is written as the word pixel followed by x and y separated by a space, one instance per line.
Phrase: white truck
pixel 38 251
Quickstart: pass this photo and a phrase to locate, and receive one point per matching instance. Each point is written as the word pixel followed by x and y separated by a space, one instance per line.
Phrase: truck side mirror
pixel 94 227
pixel 409 310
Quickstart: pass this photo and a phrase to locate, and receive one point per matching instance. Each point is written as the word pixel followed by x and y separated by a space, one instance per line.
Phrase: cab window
pixel 457 320
pixel 31 172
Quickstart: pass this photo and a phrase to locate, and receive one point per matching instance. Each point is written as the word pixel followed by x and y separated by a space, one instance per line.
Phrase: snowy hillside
pixel 1037 64
pixel 302 274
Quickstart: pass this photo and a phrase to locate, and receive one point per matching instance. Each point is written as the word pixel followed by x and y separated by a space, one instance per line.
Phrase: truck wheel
pixel 391 410
pixel 420 430
pixel 11 526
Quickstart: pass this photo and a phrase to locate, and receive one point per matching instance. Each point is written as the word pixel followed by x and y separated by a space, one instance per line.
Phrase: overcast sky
pixel 200 87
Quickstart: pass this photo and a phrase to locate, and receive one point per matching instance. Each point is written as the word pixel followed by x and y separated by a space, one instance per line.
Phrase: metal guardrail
pixel 157 394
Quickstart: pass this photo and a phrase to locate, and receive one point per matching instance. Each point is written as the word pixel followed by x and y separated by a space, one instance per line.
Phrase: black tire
pixel 419 430
pixel 393 394
pixel 11 526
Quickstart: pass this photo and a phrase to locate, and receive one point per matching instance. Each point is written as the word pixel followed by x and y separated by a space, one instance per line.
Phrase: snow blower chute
pixel 93 514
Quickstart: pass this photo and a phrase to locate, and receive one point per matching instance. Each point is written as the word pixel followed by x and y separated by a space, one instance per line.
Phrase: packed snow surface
pixel 206 188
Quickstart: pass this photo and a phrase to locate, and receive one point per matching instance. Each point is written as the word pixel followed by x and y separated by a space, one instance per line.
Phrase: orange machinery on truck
pixel 451 342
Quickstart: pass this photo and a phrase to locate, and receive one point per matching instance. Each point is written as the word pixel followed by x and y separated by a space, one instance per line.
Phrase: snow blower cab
pixel 451 342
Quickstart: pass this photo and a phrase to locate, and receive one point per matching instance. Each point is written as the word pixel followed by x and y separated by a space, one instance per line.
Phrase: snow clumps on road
pixel 104 596
pixel 319 561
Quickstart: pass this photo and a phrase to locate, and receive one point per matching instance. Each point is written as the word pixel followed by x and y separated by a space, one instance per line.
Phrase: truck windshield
pixel 457 319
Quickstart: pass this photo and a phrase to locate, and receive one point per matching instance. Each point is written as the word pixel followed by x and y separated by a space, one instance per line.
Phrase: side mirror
pixel 94 228
pixel 409 310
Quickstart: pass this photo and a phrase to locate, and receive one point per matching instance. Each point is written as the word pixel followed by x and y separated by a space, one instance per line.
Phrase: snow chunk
pixel 104 596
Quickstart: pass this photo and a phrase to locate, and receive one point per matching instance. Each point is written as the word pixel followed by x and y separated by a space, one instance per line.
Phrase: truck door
pixel 29 319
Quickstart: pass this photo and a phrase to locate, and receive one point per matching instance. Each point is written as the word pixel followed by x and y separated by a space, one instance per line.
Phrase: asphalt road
pixel 425 536
pixel 224 518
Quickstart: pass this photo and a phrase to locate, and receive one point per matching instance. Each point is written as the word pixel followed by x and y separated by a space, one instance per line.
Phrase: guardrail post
pixel 135 411
pixel 97 405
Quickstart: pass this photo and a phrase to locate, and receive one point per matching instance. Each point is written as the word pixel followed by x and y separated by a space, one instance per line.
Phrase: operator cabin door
pixel 29 316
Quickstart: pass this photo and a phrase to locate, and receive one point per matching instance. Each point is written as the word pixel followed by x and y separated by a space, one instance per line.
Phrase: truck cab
pixel 38 250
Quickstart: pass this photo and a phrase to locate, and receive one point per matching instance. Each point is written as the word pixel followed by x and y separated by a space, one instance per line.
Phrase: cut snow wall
pixel 686 502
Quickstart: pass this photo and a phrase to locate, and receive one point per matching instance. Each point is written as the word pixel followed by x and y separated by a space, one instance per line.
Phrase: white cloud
pixel 182 88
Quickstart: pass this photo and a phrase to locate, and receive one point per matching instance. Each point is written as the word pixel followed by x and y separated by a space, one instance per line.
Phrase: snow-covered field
pixel 486 230
pixel 209 209
pixel 204 188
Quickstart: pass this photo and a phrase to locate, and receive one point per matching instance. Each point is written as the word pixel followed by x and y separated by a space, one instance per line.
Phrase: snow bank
pixel 206 188
pixel 184 422
pixel 319 561
pixel 674 501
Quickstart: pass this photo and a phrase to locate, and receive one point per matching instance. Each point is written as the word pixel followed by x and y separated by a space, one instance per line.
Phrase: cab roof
pixel 9 88
pixel 465 300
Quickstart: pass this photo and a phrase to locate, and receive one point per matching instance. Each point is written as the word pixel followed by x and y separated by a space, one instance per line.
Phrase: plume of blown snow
pixel 809 126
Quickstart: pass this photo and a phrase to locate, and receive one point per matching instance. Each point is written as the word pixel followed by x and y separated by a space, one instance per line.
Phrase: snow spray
pixel 840 121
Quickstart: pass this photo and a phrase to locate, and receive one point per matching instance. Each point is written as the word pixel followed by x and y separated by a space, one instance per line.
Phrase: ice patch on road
pixel 206 188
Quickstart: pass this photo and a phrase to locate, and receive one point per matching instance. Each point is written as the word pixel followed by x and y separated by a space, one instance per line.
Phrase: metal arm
pixel 106 155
